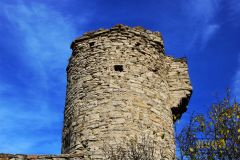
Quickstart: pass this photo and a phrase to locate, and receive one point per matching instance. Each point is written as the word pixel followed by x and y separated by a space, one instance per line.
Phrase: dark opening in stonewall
pixel 118 68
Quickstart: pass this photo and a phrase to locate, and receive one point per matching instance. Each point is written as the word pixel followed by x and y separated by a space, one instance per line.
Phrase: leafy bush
pixel 215 136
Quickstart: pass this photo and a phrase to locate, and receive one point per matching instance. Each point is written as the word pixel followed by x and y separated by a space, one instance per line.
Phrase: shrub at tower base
pixel 216 136
pixel 135 149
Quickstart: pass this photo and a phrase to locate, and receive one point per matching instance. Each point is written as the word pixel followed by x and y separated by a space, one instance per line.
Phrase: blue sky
pixel 34 45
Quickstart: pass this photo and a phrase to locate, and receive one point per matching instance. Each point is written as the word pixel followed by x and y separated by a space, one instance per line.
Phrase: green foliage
pixel 215 136
pixel 162 136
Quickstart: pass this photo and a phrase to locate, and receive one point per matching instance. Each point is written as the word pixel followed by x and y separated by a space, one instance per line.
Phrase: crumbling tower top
pixel 138 31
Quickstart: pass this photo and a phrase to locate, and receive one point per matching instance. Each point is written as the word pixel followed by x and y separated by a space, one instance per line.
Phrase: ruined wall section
pixel 117 90
pixel 179 86
pixel 40 157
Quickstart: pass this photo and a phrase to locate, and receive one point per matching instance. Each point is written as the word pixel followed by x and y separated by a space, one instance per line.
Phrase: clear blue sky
pixel 34 49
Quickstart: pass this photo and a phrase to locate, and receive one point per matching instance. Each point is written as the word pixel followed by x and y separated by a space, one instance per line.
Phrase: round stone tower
pixel 121 85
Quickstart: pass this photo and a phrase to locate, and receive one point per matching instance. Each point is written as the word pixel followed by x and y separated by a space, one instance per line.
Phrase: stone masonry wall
pixel 40 157
pixel 121 85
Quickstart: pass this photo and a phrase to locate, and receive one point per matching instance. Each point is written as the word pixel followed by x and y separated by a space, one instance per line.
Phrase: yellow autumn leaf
pixel 191 149
pixel 239 130
pixel 236 150
pixel 222 143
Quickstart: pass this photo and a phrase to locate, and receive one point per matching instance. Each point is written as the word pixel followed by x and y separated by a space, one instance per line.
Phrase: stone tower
pixel 120 85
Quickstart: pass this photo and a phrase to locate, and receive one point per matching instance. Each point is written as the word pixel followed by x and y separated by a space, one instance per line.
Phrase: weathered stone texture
pixel 40 157
pixel 120 85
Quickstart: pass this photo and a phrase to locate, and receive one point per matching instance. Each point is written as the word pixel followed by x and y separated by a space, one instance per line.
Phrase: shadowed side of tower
pixel 121 85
